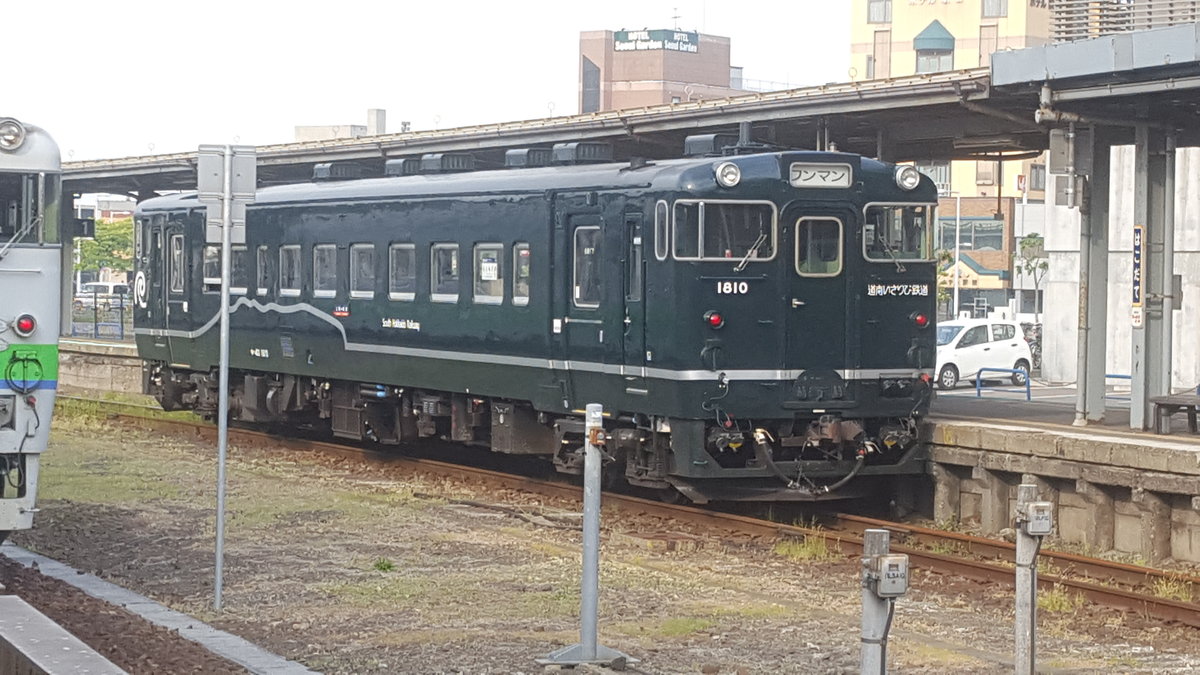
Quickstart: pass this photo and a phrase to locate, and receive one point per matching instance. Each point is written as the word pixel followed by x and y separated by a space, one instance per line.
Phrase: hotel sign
pixel 642 40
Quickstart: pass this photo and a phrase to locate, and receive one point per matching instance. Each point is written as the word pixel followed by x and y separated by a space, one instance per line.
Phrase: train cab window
pixel 522 271
pixel 212 269
pixel 898 232
pixel 324 271
pixel 178 264
pixel 443 268
pixel 489 277
pixel 710 230
pixel 662 244
pixel 263 270
pixel 587 267
pixel 239 272
pixel 402 272
pixel 289 271
pixel 362 271
pixel 819 247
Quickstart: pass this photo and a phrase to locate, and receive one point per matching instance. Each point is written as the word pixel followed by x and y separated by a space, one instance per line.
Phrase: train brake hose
pixel 762 450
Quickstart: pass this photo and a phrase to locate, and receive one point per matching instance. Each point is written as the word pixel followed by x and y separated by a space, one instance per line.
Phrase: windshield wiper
pixel 762 237
pixel 891 250
pixel 17 237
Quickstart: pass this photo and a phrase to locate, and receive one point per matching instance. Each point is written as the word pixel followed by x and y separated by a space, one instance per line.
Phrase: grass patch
pixel 1172 588
pixel 673 627
pixel 1059 600
pixel 807 549
pixel 383 565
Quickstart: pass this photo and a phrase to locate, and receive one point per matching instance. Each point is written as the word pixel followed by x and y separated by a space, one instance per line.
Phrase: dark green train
pixel 756 326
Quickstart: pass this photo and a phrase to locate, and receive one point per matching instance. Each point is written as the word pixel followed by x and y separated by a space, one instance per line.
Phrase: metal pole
pixel 1087 224
pixel 957 249
pixel 589 650
pixel 223 379
pixel 1168 264
pixel 591 534
pixel 874 608
pixel 1025 626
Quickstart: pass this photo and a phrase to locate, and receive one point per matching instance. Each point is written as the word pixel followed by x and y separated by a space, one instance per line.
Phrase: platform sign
pixel 1139 239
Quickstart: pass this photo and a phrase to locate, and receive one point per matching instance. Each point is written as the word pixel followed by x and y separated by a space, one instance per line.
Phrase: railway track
pixel 1108 583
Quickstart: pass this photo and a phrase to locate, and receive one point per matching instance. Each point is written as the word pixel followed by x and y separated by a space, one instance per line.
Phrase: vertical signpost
pixel 1139 238
pixel 226 178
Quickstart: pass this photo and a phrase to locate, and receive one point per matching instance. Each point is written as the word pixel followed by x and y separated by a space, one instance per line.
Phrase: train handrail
pixel 1011 371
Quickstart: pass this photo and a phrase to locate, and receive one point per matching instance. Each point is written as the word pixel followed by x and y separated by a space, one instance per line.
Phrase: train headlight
pixel 12 134
pixel 728 174
pixel 907 177
pixel 25 325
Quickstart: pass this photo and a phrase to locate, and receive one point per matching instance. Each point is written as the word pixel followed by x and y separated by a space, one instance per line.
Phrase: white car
pixel 966 345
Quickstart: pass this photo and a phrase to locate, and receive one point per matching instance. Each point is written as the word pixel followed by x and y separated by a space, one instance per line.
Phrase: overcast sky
pixel 117 78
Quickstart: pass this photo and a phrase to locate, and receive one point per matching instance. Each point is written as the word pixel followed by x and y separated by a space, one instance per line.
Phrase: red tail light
pixel 920 320
pixel 714 319
pixel 24 325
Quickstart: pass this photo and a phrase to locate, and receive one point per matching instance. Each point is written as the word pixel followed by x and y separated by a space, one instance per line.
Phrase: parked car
pixel 104 294
pixel 966 345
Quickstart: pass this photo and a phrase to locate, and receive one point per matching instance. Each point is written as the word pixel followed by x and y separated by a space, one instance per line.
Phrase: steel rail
pixel 846 542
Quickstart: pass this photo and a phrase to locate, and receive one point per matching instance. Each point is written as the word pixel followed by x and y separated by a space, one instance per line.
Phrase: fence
pixel 101 316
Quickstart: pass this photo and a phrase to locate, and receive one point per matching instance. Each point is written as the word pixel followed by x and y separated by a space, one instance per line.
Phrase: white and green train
pixel 30 282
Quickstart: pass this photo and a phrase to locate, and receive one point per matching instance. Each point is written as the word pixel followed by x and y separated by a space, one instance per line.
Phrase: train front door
pixel 816 302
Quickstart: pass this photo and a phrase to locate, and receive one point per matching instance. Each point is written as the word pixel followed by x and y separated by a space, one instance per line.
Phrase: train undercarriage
pixel 799 459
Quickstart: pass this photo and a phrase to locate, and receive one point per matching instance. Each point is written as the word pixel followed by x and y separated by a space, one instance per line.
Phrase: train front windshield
pixel 29 207
pixel 898 232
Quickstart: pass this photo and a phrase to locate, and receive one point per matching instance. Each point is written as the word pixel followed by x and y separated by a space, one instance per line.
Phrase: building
pixel 635 68
pixel 376 125
pixel 894 38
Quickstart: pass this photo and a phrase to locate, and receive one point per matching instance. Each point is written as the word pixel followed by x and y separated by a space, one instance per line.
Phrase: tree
pixel 112 247
pixel 1030 259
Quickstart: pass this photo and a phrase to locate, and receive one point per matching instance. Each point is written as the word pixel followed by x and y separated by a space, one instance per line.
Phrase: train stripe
pixel 526 361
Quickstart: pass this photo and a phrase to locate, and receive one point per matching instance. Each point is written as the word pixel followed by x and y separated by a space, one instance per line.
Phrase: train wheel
pixel 1017 378
pixel 948 377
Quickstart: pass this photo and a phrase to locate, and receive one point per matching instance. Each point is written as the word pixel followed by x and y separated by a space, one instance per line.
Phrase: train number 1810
pixel 733 287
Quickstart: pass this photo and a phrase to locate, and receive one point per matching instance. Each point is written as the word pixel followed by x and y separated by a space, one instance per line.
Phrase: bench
pixel 1165 406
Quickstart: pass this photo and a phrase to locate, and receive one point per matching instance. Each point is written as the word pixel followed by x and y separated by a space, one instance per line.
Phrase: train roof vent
pixel 528 157
pixel 582 152
pixel 337 171
pixel 409 166
pixel 447 162
pixel 708 145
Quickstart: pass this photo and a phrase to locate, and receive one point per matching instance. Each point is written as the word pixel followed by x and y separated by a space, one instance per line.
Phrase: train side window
pixel 819 247
pixel 443 281
pixel 178 264
pixel 402 272
pixel 239 273
pixel 633 261
pixel 587 267
pixel 324 271
pixel 362 271
pixel 263 270
pixel 212 269
pixel 489 276
pixel 289 271
pixel 662 242
pixel 522 271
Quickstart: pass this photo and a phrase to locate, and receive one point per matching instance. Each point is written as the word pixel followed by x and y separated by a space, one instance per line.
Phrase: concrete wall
pixel 99 367
pixel 1060 322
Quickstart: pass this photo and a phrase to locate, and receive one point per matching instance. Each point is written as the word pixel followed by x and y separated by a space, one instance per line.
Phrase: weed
pixel 1172 588
pixel 946 547
pixel 1059 600
pixel 383 565
pixel 808 548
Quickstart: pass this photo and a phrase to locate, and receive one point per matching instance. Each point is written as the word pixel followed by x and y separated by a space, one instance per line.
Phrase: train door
pixel 817 304
pixel 176 282
pixel 149 287
pixel 634 334
pixel 577 324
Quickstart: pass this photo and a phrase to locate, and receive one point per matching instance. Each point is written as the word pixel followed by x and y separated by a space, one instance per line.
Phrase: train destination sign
pixel 671 40
pixel 821 175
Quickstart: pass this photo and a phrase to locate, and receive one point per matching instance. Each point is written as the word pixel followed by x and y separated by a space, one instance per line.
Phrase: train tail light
pixel 714 319
pixel 25 325
pixel 920 319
